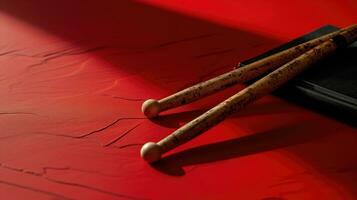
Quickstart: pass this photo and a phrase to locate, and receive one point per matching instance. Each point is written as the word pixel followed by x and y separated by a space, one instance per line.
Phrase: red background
pixel 74 75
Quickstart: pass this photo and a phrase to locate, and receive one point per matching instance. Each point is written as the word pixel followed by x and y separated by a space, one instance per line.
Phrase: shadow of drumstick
pixel 175 120
pixel 260 142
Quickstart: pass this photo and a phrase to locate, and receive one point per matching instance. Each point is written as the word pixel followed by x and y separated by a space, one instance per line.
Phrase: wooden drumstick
pixel 151 152
pixel 152 107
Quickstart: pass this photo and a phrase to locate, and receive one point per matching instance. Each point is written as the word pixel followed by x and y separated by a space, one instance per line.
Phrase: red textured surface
pixel 73 77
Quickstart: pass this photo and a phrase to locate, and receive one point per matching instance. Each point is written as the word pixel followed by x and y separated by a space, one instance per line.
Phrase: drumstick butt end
pixel 150 108
pixel 151 152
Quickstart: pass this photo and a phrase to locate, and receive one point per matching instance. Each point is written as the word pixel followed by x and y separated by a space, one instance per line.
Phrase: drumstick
pixel 151 152
pixel 152 107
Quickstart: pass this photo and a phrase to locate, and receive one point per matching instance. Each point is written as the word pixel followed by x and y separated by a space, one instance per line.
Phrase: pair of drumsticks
pixel 291 61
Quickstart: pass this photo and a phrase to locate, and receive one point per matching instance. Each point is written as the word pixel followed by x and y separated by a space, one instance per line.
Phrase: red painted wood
pixel 74 74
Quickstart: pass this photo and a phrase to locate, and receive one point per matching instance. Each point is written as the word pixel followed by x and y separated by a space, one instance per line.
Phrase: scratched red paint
pixel 73 77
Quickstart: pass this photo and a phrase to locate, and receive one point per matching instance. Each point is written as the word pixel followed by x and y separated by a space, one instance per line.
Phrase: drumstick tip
pixel 150 108
pixel 151 152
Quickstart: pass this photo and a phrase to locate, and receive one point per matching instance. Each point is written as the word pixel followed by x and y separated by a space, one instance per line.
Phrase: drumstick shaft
pixel 243 74
pixel 258 89
pixel 245 96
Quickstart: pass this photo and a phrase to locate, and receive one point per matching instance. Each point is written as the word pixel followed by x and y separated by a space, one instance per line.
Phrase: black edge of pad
pixel 329 87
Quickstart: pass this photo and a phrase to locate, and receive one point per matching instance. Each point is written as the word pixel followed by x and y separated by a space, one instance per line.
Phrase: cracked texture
pixel 72 86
